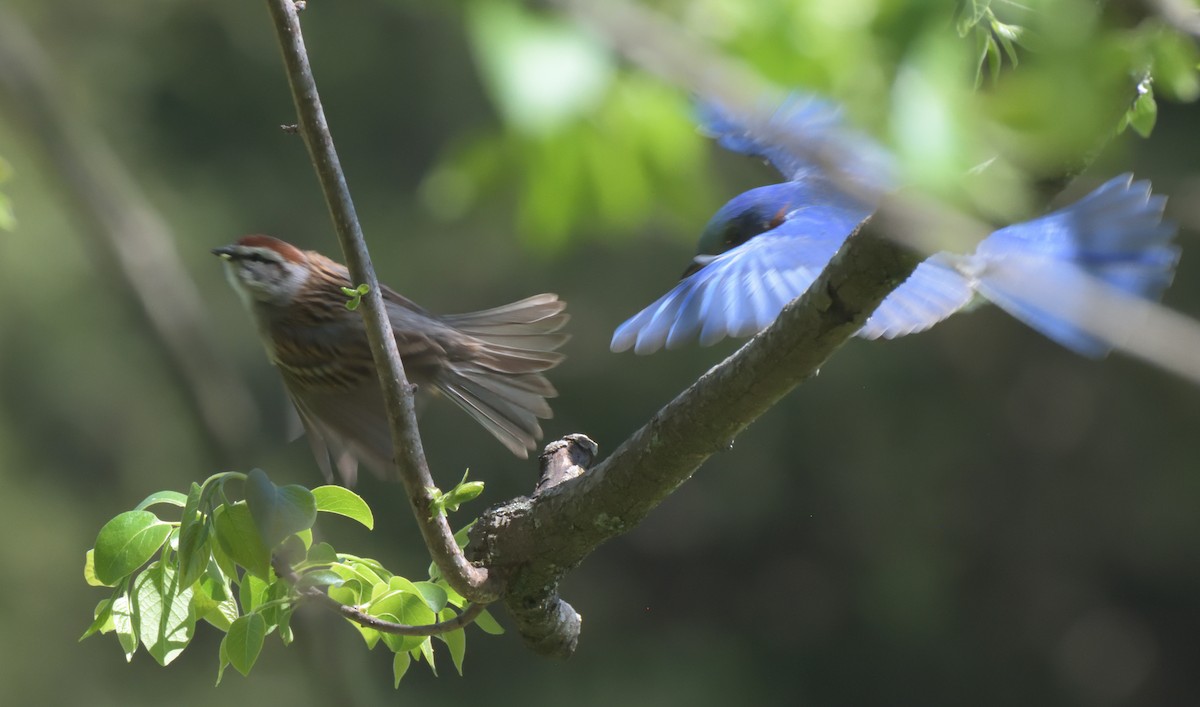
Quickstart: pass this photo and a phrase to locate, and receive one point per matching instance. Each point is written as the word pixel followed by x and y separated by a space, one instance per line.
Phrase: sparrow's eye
pixel 256 257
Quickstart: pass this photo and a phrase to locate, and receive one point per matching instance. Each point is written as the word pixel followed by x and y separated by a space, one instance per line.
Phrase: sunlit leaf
pixel 400 663
pixel 487 623
pixel 343 502
pixel 126 543
pixel 434 595
pixel 103 622
pixel 122 619
pixel 456 642
pixel 170 498
pixel 402 607
pixel 161 616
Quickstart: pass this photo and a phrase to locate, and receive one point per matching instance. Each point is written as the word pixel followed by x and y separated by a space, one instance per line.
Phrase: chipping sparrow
pixel 489 363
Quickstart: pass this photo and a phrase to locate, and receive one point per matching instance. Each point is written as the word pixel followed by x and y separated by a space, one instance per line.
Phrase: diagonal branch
pixel 529 544
pixel 470 581
pixel 534 542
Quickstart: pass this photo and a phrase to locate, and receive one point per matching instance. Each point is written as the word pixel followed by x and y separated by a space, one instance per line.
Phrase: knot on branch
pixel 565 459
pixel 510 543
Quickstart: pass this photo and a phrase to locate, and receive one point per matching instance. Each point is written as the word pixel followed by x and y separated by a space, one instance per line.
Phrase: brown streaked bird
pixel 489 363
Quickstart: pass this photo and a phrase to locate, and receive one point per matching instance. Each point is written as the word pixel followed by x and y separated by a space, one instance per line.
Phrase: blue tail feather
pixel 1114 234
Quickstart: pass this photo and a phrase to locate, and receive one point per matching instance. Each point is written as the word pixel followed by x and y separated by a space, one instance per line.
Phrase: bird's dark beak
pixel 225 252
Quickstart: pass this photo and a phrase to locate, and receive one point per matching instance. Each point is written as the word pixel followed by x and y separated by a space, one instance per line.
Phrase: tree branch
pixel 529 544
pixel 472 582
pixel 534 542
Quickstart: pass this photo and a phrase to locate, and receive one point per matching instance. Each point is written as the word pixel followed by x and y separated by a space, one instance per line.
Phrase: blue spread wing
pixel 741 291
pixel 933 292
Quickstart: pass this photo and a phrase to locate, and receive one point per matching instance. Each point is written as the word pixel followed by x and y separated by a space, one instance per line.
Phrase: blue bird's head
pixel 765 209
pixel 746 216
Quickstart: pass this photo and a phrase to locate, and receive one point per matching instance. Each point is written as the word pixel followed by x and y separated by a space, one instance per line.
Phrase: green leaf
pixel 400 584
pixel 122 617
pixel 319 578
pixel 212 600
pixel 278 511
pixel 292 551
pixel 222 614
pixel 103 618
pixel 215 582
pixel 127 542
pixel 434 595
pixel 970 14
pixel 274 610
pixel 344 502
pixel 172 498
pixel 225 567
pixel 194 553
pixel 461 538
pixel 285 625
pixel 306 539
pixel 322 554
pixel 402 607
pixel 1144 113
pixel 161 615
pixel 89 569
pixel 352 569
pixel 244 642
pixel 488 624
pixel 456 641
pixel 1009 36
pixel 240 539
pixel 252 593
pixel 400 663
pixel 453 598
pixel 426 649
pixel 466 491
pixel 349 592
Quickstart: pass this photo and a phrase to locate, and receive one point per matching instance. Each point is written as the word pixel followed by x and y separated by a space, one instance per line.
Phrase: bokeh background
pixel 969 516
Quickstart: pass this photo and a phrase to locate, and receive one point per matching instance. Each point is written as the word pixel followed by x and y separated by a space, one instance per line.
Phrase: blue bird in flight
pixel 765 247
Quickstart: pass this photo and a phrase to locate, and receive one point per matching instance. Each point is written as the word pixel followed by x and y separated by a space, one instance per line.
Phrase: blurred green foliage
pixel 969 516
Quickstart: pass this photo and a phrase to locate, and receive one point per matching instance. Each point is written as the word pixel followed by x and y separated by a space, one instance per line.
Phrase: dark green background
pixel 969 516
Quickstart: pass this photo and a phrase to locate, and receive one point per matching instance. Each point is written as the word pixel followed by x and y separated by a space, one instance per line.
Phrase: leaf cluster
pixel 218 562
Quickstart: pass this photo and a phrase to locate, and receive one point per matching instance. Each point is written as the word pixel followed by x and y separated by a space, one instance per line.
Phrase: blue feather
pixel 765 247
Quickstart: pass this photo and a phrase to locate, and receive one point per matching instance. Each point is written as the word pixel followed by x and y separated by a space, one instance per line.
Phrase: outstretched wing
pixel 742 290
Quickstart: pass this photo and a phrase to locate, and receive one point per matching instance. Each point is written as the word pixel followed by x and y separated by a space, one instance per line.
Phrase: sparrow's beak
pixel 225 252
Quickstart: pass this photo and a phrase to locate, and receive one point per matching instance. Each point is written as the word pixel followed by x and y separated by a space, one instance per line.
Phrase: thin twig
pixel 472 582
